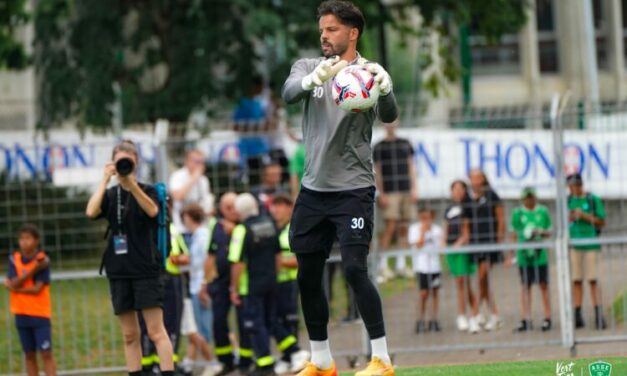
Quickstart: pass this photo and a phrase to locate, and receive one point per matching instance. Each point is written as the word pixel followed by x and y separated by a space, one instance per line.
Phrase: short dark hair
pixel 127 146
pixel 282 198
pixel 345 11
pixel 425 209
pixel 195 212
pixel 574 179
pixel 29 228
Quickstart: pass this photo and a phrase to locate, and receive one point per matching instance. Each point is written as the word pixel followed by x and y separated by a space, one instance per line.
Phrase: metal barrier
pixel 87 339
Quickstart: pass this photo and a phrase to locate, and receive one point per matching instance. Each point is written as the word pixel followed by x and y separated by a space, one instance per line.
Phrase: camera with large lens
pixel 124 166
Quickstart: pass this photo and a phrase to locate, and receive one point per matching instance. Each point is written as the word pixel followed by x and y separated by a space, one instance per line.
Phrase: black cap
pixel 575 179
pixel 527 192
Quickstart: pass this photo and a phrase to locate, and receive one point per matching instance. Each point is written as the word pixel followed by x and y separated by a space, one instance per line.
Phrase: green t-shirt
pixel 524 221
pixel 581 229
pixel 297 163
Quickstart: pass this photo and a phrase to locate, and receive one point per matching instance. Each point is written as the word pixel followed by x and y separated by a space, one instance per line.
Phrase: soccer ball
pixel 354 89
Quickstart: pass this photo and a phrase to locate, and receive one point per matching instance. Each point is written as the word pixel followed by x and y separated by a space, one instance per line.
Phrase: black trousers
pixel 221 304
pixel 260 321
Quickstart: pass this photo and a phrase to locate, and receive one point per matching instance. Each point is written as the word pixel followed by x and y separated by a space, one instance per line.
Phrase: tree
pixel 12 15
pixel 172 57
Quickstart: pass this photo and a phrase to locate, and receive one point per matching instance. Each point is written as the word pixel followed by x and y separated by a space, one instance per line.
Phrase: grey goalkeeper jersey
pixel 338 155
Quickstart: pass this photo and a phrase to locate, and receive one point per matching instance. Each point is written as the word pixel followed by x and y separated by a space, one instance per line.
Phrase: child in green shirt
pixel 531 222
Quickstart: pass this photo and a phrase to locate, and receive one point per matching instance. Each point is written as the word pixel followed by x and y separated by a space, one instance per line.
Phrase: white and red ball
pixel 354 89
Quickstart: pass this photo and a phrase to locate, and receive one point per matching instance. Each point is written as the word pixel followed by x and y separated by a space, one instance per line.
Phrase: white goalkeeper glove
pixel 381 78
pixel 324 71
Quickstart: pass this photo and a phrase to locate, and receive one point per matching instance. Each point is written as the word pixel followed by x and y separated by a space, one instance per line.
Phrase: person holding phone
pixel 132 262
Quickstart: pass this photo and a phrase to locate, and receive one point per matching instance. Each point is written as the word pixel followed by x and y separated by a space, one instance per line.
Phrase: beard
pixel 334 49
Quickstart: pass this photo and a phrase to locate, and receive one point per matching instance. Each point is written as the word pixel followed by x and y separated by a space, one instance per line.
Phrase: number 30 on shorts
pixel 357 223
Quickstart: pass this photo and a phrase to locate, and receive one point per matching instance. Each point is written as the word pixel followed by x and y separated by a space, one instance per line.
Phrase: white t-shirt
pixel 199 244
pixel 200 194
pixel 426 262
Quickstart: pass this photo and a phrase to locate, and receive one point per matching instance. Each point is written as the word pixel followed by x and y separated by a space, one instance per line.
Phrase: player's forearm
pixel 388 109
pixel 293 91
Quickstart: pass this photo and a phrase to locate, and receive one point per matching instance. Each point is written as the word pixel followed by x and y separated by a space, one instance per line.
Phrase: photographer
pixel 134 266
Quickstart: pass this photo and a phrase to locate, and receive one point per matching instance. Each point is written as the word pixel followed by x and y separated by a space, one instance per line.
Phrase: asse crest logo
pixel 600 368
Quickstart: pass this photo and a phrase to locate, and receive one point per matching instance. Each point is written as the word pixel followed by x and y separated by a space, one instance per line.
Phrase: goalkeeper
pixel 337 195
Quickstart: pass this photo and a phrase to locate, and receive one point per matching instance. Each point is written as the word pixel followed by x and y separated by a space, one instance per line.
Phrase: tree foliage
pixel 488 18
pixel 173 57
pixel 12 15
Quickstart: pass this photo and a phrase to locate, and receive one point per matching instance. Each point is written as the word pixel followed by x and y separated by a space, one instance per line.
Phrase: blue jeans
pixel 204 319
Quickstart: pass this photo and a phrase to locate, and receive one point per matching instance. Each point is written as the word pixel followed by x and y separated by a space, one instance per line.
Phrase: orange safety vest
pixel 37 305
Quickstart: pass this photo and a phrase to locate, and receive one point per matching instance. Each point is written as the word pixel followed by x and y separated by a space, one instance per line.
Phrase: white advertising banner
pixel 511 159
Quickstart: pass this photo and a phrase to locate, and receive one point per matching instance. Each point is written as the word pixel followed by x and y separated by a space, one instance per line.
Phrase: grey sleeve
pixel 387 110
pixel 292 91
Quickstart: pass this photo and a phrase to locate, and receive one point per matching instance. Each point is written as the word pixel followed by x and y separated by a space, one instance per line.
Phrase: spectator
pixel 218 288
pixel 250 117
pixel 426 234
pixel 254 256
pixel 29 284
pixel 193 217
pixel 270 185
pixel 133 265
pixel 488 227
pixel 586 215
pixel 395 177
pixel 457 229
pixel 286 303
pixel 531 222
pixel 189 185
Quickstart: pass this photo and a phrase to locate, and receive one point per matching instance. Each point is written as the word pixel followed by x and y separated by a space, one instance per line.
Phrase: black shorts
pixel 136 294
pixel 428 281
pixel 320 218
pixel 533 274
pixel 492 257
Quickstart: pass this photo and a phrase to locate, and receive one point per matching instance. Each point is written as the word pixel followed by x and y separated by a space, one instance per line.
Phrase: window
pixel 624 16
pixel 600 31
pixel 547 37
pixel 502 57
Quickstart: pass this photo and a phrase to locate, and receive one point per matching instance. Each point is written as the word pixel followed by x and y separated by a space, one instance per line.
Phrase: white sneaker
pixel 494 323
pixel 480 319
pixel 462 323
pixel 381 279
pixel 473 325
pixel 405 273
pixel 299 360
pixel 387 274
pixel 281 367
pixel 212 369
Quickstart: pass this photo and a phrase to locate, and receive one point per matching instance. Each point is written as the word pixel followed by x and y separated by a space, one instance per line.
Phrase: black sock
pixel 167 373
pixel 135 373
